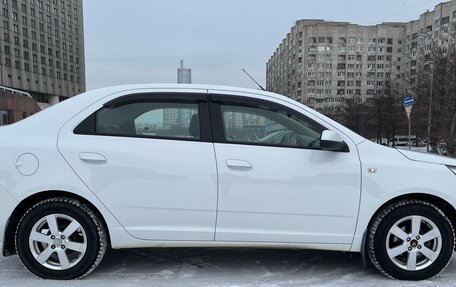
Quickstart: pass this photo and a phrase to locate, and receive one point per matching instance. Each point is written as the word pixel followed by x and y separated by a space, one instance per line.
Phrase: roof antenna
pixel 253 80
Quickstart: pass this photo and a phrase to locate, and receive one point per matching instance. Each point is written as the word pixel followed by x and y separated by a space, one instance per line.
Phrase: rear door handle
pixel 92 157
pixel 238 163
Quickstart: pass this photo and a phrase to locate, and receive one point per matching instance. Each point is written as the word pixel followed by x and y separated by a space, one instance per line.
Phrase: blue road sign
pixel 408 101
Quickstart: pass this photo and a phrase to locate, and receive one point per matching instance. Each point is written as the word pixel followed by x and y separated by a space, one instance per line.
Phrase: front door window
pixel 262 126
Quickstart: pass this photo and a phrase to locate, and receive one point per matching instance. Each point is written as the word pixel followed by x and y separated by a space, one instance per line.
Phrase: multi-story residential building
pixel 432 28
pixel 322 64
pixel 42 48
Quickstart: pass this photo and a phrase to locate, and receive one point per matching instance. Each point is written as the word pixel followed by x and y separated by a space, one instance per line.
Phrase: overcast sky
pixel 142 41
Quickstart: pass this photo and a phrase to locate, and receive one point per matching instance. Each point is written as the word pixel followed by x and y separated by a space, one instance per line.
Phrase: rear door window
pixel 151 116
pixel 173 120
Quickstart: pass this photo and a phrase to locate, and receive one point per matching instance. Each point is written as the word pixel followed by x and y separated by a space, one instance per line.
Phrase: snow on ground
pixel 224 267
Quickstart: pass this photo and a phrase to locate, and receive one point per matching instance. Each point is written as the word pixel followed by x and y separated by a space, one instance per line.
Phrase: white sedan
pixel 186 166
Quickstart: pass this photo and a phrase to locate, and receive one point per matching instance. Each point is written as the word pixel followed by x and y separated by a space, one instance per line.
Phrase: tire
pixel 410 240
pixel 60 238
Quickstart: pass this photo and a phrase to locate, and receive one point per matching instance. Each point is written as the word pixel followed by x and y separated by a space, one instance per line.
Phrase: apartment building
pixel 435 27
pixel 42 48
pixel 323 64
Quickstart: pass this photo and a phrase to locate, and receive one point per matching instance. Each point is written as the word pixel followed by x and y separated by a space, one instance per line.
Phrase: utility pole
pixel 430 112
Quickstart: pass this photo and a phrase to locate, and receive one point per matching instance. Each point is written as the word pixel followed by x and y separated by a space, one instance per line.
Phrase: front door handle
pixel 238 163
pixel 92 157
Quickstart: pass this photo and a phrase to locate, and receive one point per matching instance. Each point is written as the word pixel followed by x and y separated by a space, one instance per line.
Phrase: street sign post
pixel 408 106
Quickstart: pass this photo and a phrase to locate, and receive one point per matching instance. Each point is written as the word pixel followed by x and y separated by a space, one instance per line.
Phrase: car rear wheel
pixel 411 240
pixel 60 238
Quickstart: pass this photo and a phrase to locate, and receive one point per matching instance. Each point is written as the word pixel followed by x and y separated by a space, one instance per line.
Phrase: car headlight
pixel 452 168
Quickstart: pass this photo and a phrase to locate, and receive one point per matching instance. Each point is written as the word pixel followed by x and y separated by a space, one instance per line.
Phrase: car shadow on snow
pixel 248 267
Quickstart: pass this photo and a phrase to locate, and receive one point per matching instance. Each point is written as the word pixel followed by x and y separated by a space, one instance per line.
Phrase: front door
pixel 275 183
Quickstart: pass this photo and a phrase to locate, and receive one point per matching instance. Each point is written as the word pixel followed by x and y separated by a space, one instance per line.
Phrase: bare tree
pixel 437 63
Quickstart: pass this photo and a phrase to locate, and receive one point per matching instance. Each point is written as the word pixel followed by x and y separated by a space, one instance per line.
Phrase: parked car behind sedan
pixel 87 174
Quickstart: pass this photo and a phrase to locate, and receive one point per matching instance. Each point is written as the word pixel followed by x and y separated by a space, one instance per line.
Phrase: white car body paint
pixel 331 217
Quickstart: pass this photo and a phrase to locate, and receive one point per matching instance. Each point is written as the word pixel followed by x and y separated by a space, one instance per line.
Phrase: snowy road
pixel 224 267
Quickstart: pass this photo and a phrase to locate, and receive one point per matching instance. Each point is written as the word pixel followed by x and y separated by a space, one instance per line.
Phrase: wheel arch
pixel 439 202
pixel 25 204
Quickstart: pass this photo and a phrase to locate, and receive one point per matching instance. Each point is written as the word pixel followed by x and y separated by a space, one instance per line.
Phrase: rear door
pixel 149 158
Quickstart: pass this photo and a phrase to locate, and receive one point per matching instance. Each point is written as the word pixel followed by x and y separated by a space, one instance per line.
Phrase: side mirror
pixel 332 141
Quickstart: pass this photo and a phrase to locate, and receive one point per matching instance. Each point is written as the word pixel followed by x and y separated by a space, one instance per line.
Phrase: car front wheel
pixel 410 240
pixel 60 238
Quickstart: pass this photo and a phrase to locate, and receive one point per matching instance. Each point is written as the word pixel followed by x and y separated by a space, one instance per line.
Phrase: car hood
pixel 426 157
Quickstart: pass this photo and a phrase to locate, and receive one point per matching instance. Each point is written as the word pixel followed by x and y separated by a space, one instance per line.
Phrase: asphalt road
pixel 223 267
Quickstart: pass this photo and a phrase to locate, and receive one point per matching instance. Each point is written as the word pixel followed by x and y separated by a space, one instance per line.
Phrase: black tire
pixel 90 233
pixel 400 214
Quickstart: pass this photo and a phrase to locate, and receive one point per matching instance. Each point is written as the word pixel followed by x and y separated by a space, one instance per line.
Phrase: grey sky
pixel 142 41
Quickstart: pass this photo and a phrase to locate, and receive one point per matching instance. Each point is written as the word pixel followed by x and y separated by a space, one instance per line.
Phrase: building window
pixel 3 117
